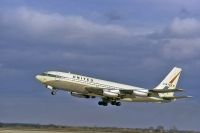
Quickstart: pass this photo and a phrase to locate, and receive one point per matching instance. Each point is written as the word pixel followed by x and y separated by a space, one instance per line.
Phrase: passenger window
pixel 78 77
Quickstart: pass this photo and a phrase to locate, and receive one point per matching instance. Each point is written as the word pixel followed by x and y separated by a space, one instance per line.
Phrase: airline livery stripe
pixel 174 78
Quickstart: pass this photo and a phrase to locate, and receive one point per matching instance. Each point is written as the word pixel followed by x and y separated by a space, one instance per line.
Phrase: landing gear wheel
pixel 113 103
pixel 53 93
pixel 103 103
pixel 118 104
pixel 100 103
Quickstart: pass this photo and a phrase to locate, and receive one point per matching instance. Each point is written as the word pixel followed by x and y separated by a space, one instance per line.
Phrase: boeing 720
pixel 111 92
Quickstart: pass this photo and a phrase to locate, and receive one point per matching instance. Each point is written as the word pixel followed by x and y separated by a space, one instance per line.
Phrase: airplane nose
pixel 38 77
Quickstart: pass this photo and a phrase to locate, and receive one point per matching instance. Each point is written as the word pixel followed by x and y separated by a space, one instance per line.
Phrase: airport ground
pixel 78 130
pixel 44 131
pixel 37 128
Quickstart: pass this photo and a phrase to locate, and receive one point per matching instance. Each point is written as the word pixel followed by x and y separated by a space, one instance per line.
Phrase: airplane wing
pixel 99 91
pixel 176 97
pixel 166 90
pixel 95 90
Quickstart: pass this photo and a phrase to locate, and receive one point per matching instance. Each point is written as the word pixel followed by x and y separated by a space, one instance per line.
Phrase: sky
pixel 135 42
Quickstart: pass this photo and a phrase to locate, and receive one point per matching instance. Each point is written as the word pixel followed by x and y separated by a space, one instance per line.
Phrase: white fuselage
pixel 77 83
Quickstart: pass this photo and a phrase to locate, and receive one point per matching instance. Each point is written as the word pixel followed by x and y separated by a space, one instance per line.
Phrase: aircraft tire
pixel 102 103
pixel 53 93
pixel 113 103
pixel 93 97
pixel 118 104
pixel 105 104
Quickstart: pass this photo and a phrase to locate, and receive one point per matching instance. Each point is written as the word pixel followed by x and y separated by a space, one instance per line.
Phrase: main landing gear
pixel 105 103
pixel 53 92
pixel 116 103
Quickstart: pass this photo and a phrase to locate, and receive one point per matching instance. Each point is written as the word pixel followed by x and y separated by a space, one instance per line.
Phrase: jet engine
pixel 49 87
pixel 79 95
pixel 111 93
pixel 141 93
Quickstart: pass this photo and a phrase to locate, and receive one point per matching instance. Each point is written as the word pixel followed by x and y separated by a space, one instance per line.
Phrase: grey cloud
pixel 180 39
pixel 179 28
pixel 67 27
pixel 182 49
pixel 187 26
pixel 42 37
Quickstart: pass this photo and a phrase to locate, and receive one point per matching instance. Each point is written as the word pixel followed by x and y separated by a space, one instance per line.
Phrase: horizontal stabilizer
pixel 165 90
pixel 177 97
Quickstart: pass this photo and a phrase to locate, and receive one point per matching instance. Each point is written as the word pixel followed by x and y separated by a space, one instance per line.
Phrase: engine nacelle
pixel 79 95
pixel 111 93
pixel 49 87
pixel 140 93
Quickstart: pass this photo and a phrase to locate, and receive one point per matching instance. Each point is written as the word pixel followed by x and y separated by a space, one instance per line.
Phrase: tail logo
pixel 171 82
pixel 173 79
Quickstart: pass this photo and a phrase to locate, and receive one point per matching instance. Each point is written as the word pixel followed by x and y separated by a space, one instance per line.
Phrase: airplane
pixel 111 92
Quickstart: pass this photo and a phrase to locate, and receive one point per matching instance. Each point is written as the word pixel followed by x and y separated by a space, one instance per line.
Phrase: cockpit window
pixel 47 74
pixel 44 74
pixel 51 75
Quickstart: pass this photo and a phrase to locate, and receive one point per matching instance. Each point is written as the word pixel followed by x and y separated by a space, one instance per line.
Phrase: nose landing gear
pixel 53 92
pixel 115 103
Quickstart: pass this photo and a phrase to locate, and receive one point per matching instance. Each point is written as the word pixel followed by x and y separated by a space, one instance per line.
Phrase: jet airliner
pixel 111 92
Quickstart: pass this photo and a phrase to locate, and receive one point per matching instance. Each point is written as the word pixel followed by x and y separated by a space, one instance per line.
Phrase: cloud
pixel 56 25
pixel 184 38
pixel 179 39
pixel 180 49
pixel 44 37
pixel 186 26
pixel 48 39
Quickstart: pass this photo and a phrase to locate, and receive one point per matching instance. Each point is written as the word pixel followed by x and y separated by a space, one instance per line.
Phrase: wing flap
pixel 166 90
pixel 176 97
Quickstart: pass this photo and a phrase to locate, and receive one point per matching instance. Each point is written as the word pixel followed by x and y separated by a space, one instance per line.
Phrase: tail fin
pixel 169 82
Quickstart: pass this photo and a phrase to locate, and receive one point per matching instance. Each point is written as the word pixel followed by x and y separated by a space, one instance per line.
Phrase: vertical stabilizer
pixel 169 82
